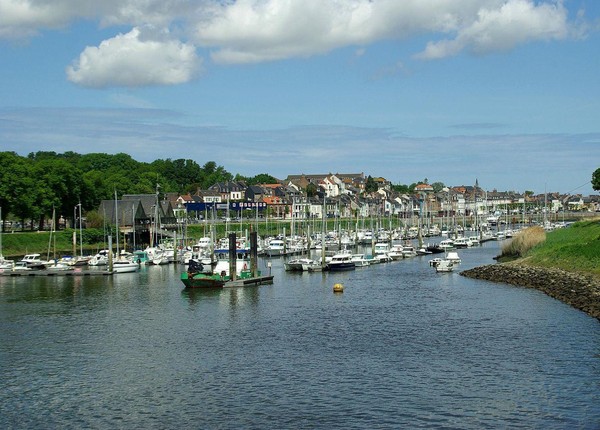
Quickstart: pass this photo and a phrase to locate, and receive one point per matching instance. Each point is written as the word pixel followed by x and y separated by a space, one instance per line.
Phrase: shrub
pixel 523 241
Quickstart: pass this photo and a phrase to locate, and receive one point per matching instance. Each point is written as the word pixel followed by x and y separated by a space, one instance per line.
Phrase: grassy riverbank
pixel 574 249
pixel 21 243
pixel 564 264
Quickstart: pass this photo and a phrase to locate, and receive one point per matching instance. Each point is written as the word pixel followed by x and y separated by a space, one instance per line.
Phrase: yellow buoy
pixel 338 288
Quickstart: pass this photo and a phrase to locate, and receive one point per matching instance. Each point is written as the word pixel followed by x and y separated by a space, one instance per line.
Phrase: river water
pixel 401 347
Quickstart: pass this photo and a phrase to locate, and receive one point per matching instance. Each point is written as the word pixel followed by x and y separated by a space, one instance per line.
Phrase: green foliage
pixel 370 185
pixel 213 174
pixel 31 187
pixel 311 190
pixel 262 178
pixel 403 189
pixel 596 179
pixel 437 186
pixel 93 219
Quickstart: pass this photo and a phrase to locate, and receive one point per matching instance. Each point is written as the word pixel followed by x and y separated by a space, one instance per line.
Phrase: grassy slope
pixel 17 244
pixel 574 249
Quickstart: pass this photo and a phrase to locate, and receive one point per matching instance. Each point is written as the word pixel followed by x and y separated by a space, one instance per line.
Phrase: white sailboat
pixel 54 265
pixel 122 264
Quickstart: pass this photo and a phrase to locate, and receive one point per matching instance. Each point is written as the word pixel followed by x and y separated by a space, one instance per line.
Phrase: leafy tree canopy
pixel 437 186
pixel 371 185
pixel 32 186
pixel 596 179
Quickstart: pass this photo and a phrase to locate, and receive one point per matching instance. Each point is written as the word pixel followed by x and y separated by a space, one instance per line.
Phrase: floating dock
pixel 69 273
pixel 245 282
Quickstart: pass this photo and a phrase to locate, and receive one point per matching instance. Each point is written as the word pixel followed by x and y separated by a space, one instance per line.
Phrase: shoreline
pixel 581 291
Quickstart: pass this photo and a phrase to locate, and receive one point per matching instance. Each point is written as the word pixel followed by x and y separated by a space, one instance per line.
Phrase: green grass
pixel 20 243
pixel 574 249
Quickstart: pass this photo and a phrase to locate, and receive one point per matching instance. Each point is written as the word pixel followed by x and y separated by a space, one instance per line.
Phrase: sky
pixel 502 92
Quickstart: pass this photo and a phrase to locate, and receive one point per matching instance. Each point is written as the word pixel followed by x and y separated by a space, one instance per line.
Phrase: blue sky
pixel 503 91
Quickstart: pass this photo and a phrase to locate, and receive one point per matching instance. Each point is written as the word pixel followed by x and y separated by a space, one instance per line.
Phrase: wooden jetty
pixel 245 282
pixel 60 273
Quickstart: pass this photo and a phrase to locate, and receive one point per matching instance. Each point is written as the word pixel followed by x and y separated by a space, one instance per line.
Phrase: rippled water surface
pixel 402 347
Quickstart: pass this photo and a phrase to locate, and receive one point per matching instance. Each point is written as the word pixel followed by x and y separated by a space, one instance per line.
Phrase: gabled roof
pixel 126 210
pixel 256 189
pixel 148 202
pixel 208 193
pixel 229 186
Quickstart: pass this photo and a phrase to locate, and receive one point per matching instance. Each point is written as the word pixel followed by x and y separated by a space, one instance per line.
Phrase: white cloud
pixel 249 31
pixel 515 22
pixel 132 59
pixel 252 31
pixel 23 18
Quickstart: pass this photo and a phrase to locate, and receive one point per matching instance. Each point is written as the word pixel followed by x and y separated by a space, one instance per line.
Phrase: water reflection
pixel 196 295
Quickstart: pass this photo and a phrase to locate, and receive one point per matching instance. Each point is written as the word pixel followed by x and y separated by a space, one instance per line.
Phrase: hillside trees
pixel 184 174
pixel 13 178
pixel 213 174
pixel 30 187
pixel 596 179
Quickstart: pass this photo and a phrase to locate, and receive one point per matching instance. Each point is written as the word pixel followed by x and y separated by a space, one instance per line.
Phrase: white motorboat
pixel 125 266
pixel 100 259
pixel 297 264
pixel 57 266
pixel 360 260
pixel 342 261
pixel 6 264
pixel 275 248
pixel 408 251
pixel 453 256
pixel 382 258
pixel 313 266
pixel 21 266
pixel 395 252
pixel 461 242
pixel 446 244
pixel 444 265
pixel 33 261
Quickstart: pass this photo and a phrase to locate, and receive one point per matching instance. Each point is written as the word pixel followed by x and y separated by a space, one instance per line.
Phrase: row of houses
pixel 343 195
pixel 329 195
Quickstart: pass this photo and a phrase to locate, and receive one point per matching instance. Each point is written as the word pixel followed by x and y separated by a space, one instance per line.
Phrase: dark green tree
pixel 437 186
pixel 178 174
pixel 311 190
pixel 14 170
pixel 262 178
pixel 401 188
pixel 59 185
pixel 370 185
pixel 596 179
pixel 214 174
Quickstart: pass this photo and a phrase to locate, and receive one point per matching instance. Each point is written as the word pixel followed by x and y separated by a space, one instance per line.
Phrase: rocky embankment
pixel 577 290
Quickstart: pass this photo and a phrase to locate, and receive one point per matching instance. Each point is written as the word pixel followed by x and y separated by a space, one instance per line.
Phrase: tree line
pixel 33 186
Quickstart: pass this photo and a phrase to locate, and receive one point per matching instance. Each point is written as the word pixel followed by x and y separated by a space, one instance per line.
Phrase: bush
pixel 523 241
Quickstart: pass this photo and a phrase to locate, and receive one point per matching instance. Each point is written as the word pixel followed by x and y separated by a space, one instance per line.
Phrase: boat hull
pixel 202 280
pixel 125 267
pixel 335 267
